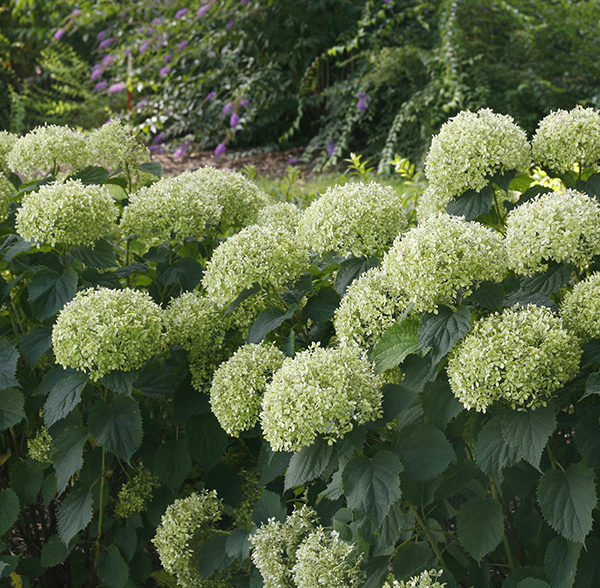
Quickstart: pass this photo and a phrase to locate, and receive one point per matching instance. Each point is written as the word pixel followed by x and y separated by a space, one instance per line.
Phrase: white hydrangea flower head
pixel 426 579
pixel 268 256
pixel 367 309
pixel 563 227
pixel 566 138
pixel 240 198
pixel 170 210
pixel 580 308
pixel 471 147
pixel 274 546
pixel 48 149
pixel 356 218
pixel 239 384
pixel 442 257
pixel 319 392
pixel 6 192
pixel 519 358
pixel 323 559
pixel 280 214
pixel 7 142
pixel 69 214
pixel 184 528
pixel 104 330
pixel 136 493
pixel 40 447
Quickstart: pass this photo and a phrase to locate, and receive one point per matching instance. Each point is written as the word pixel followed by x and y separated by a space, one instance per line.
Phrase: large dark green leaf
pixel 117 425
pixel 152 167
pixel 560 562
pixel 172 463
pixel 54 552
pixel 92 174
pixel 397 524
pixel 489 295
pixel 492 452
pixel 206 440
pixel 67 453
pixel 64 396
pixel 308 464
pixel 75 513
pixel 588 570
pixel 213 555
pixel 321 308
pixel 246 293
pixel 49 291
pixel 411 558
pixel 26 479
pixel 567 500
pixel 271 464
pixel 268 506
pixel 372 485
pixel 9 509
pixel 439 404
pixel 480 525
pixel 268 320
pixel 399 341
pixel 113 570
pixel 35 343
pixel 550 281
pixel 8 365
pixel 185 272
pixel 472 204
pixel 101 255
pixel 11 408
pixel 441 331
pixel 350 270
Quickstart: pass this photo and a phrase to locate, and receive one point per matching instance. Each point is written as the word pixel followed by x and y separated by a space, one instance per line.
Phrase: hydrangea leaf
pixel 271 464
pixel 11 408
pixel 112 568
pixel 172 463
pixel 592 385
pixel 75 513
pixel 35 343
pixel 399 341
pixel 411 558
pixel 321 308
pixel 308 463
pixel 588 569
pixel 560 562
pixel 268 506
pixel 64 396
pixel 472 204
pixel 185 272
pixel 67 453
pixel 550 281
pixel 207 441
pixel 9 509
pixel 26 478
pixel 101 255
pixel 350 270
pixel 587 436
pixel 8 365
pixel 213 555
pixel 440 406
pixel 492 452
pixel 54 552
pixel 269 319
pixel 480 525
pixel 92 174
pixel 567 500
pixel 245 293
pixel 152 167
pixel 442 330
pixel 49 291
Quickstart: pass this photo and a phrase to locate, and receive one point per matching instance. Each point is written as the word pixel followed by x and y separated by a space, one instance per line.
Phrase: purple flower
pixel 107 61
pixel 363 101
pixel 156 148
pixel 181 150
pixel 144 46
pixel 181 12
pixel 167 58
pixel 96 72
pixel 387 2
pixel 210 96
pixel 158 139
pixel 164 71
pixel 220 149
pixel 227 108
pixel 100 86
pixel 244 102
pixel 331 147
pixel 203 10
pixel 102 34
pixel 143 102
pixel 116 88
pixel 230 24
pixel 105 43
pixel 156 21
pixel 234 120
pixel 292 161
pixel 244 2
pixel 58 35
pixel 127 52
pixel 182 45
pixel 75 12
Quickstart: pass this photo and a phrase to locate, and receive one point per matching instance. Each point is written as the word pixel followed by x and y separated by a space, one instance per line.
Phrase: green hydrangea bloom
pixel 104 330
pixel 442 257
pixel 426 579
pixel 471 147
pixel 563 226
pixel 519 357
pixel 319 392
pixel 47 149
pixel 40 447
pixel 6 192
pixel 568 137
pixel 580 308
pixel 274 546
pixel 184 528
pixel 239 383
pixel 324 560
pixel 280 214
pixel 7 142
pixel 170 210
pixel 268 256
pixel 135 494
pixel 240 198
pixel 367 310
pixel 356 218
pixel 70 214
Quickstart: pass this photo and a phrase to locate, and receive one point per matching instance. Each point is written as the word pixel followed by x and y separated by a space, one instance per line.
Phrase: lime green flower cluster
pixel 184 528
pixel 470 148
pixel 426 579
pixel 356 218
pixel 566 138
pixel 580 309
pixel 239 384
pixel 280 214
pixel 367 310
pixel 104 330
pixel 69 214
pixel 518 357
pixel 319 392
pixel 442 257
pixel 135 494
pixel 171 210
pixel 562 226
pixel 48 149
pixel 7 142
pixel 240 198
pixel 268 256
pixel 6 191
pixel 274 546
pixel 40 447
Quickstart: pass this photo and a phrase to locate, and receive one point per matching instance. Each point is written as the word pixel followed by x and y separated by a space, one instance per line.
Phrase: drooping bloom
pixel 220 149
pixel 181 150
pixel 182 45
pixel 331 147
pixel 234 120
pixel 59 34
pixel 181 12
pixel 362 101
pixel 227 108
pixel 117 87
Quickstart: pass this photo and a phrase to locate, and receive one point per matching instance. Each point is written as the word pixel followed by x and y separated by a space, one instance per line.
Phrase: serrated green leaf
pixel 372 485
pixel 527 432
pixel 49 291
pixel 172 463
pixel 8 365
pixel 503 180
pixel 207 440
pixel 54 552
pixel 396 398
pixel 308 464
pixel 67 454
pixel 492 452
pixel 567 500
pixel 525 298
pixel 440 406
pixel 268 506
pixel 472 204
pixel 550 281
pixel 12 404
pixel 92 174
pixel 185 272
pixel 533 583
pixel 560 562
pixel 9 509
pixel 101 255
pixel 213 555
pixel 399 341
pixel 113 570
pixel 152 167
pixel 271 464
pixel 246 293
pixel 441 331
pixel 592 186
pixel 350 270
pixel 489 295
pixel 237 545
pixel 64 396
pixel 397 524
pixel 26 479
pixel 120 382
pixel 35 343
pixel 117 425
pixel 592 385
pixel 424 451
pixel 322 307
pixel 480 525
pixel 411 558
pixel 268 320
pixel 74 514
pixel 588 568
